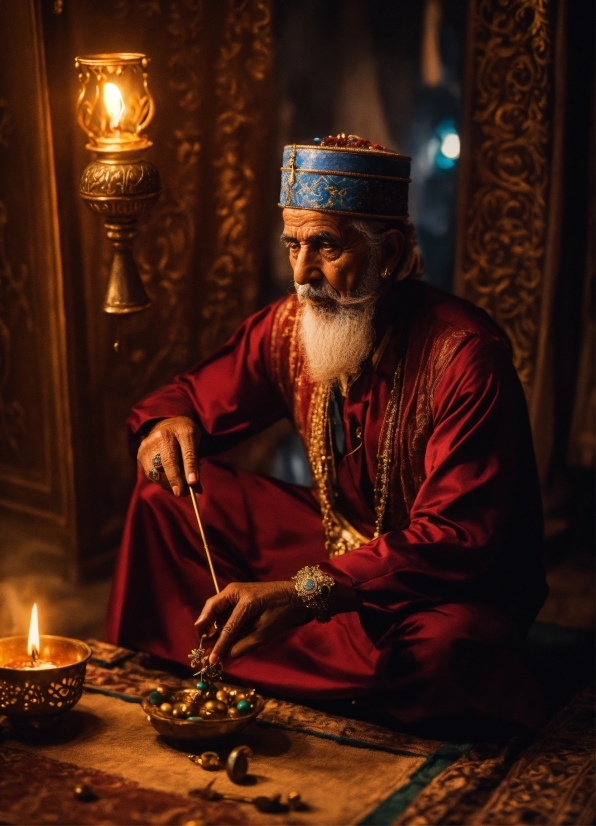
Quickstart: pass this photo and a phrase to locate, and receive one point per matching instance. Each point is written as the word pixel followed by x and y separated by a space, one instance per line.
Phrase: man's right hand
pixel 176 442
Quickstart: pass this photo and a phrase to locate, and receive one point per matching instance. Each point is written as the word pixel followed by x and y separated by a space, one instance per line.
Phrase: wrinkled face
pixel 324 250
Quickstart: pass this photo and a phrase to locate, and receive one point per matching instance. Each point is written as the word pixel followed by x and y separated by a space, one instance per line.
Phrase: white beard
pixel 338 335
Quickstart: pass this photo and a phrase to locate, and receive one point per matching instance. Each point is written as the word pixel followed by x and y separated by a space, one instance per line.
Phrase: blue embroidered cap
pixel 346 175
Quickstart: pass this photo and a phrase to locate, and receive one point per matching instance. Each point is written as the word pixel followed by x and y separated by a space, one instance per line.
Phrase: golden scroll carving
pixel 243 65
pixel 505 178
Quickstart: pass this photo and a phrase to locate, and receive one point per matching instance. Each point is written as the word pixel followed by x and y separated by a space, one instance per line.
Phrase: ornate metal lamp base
pixel 120 188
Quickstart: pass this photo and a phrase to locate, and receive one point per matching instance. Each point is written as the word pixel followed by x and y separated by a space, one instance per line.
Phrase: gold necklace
pixel 340 536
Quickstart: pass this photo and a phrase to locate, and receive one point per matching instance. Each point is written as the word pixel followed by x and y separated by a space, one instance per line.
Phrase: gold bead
pixel 215 705
pixel 233 713
pixel 166 708
pixel 295 803
pixel 209 760
pixel 222 696
pixel 162 689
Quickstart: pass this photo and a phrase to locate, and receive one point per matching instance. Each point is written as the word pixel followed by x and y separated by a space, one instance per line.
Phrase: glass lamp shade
pixel 114 104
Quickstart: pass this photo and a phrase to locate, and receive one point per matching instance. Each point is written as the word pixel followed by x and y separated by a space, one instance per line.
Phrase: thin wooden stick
pixel 198 515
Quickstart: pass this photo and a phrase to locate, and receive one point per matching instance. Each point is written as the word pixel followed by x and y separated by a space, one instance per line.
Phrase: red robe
pixel 438 466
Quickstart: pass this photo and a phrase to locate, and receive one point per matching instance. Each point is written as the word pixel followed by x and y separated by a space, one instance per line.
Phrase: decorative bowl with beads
pixel 206 712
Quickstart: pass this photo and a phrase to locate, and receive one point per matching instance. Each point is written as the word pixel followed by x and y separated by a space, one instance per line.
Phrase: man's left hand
pixel 256 613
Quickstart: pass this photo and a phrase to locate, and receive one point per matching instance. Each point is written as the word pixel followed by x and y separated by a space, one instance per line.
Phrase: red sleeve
pixel 231 394
pixel 478 459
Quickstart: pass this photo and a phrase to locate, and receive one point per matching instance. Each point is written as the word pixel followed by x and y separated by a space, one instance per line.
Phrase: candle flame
pixel 113 103
pixel 33 641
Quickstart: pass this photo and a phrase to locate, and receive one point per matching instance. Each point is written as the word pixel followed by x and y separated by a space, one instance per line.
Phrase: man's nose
pixel 306 269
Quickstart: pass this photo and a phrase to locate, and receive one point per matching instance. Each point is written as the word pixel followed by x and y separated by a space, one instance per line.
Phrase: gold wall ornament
pixel 171 235
pixel 113 109
pixel 505 173
pixel 243 66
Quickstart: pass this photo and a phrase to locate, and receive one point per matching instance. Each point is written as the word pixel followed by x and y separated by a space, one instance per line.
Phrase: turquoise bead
pixel 194 719
pixel 201 686
pixel 309 585
pixel 155 698
pixel 244 706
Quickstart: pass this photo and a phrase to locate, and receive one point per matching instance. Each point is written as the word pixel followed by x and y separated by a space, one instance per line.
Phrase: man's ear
pixel 393 247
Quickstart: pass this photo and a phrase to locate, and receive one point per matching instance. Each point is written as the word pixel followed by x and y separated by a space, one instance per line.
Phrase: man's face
pixel 323 248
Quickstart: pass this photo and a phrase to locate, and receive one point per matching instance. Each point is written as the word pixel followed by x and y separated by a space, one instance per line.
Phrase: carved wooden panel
pixel 36 461
pixel 506 174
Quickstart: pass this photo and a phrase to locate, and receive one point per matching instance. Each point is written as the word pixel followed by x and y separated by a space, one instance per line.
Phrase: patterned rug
pixel 347 771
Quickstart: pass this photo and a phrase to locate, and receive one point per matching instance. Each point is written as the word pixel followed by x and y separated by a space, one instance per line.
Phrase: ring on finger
pixel 153 474
pixel 157 460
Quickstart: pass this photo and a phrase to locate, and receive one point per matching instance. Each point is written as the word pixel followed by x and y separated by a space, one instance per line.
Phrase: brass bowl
pixel 179 729
pixel 36 696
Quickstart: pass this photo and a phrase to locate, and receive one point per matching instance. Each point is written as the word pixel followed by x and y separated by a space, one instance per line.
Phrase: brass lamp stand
pixel 113 109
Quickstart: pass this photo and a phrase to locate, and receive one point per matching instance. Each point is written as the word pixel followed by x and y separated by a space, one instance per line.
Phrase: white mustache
pixel 324 291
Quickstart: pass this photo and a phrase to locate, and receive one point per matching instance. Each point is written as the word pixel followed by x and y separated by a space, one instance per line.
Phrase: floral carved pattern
pixel 505 216
pixel 166 246
pixel 170 237
pixel 244 62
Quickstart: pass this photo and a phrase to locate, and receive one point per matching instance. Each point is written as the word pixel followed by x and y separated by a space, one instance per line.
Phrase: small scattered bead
pixel 295 803
pixel 243 706
pixel 84 792
pixel 237 764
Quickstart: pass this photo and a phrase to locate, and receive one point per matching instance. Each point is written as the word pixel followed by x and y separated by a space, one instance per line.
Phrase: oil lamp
pixel 40 676
pixel 113 109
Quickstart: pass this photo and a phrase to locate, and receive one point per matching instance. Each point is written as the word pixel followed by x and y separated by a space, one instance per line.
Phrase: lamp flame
pixel 33 641
pixel 113 103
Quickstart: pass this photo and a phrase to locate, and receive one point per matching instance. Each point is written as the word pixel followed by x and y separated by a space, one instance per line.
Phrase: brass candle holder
pixel 113 109
pixel 34 696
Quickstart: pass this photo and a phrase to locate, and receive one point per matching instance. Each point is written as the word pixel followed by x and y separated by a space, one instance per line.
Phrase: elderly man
pixel 411 571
